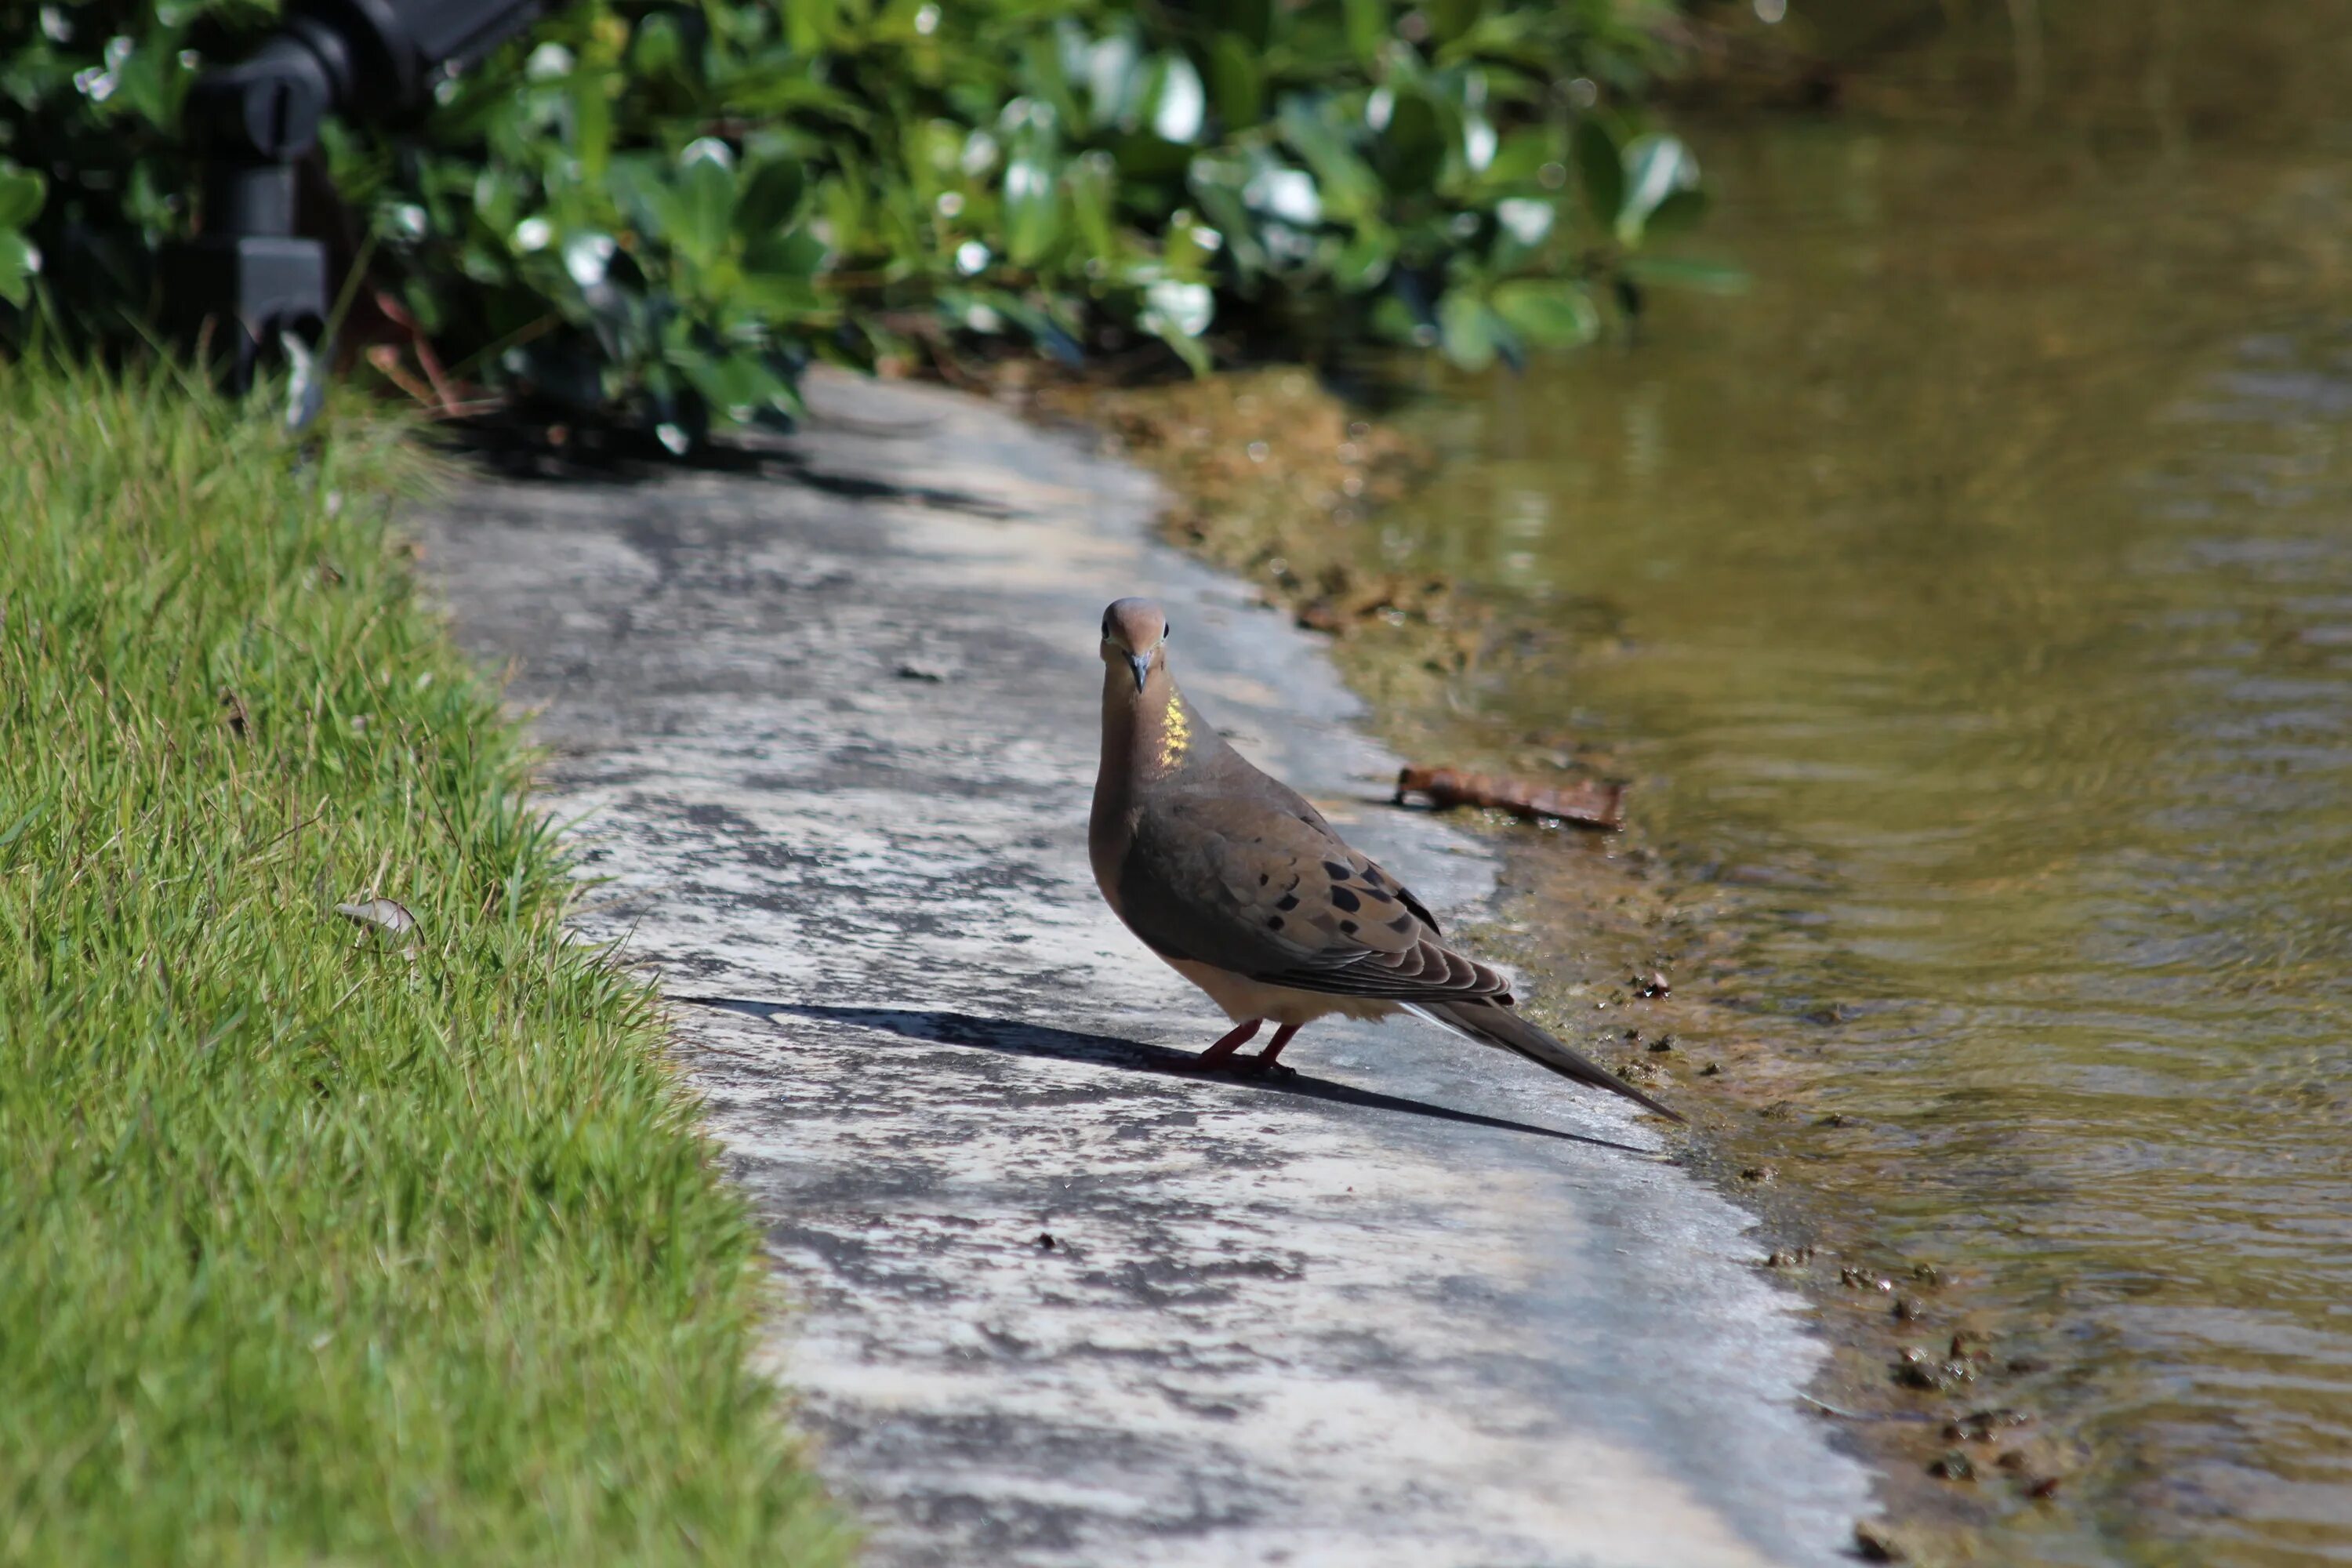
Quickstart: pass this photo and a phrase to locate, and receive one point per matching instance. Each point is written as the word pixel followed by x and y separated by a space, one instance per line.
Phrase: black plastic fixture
pixel 249 273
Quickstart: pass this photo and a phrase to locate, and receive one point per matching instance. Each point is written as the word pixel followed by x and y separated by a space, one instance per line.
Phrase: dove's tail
pixel 1494 1024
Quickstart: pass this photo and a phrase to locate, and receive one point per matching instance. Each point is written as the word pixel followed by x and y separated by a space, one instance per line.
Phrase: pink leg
pixel 1235 1038
pixel 1264 1058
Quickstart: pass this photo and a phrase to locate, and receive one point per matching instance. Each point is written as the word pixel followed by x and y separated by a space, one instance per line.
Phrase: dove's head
pixel 1134 634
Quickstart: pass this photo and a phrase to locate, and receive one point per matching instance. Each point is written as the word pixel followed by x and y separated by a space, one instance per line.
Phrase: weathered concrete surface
pixel 830 731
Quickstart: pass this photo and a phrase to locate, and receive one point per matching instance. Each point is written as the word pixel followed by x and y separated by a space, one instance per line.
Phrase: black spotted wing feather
pixel 1248 877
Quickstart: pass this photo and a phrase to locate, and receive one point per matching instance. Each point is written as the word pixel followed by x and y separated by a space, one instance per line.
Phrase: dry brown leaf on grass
pixel 381 920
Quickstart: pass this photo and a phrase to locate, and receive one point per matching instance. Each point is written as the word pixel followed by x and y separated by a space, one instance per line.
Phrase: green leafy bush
pixel 667 209
pixel 20 201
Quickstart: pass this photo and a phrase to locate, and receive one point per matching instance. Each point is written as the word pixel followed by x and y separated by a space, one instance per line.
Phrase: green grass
pixel 311 1250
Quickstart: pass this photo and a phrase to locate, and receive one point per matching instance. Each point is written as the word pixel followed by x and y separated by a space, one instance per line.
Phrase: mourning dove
pixel 1248 893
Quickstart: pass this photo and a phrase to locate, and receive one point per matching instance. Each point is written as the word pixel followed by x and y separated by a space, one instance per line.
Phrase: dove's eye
pixel 1166 631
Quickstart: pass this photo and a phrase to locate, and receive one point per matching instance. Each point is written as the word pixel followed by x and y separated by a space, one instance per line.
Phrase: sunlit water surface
pixel 1984 583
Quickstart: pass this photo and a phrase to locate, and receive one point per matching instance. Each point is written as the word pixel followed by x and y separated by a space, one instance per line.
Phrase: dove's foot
pixel 1223 1058
pixel 1220 1057
pixel 1217 1056
pixel 1263 1065
pixel 1233 1065
pixel 1274 1049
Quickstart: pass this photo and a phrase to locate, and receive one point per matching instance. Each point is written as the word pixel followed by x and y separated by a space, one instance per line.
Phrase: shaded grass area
pixel 311 1247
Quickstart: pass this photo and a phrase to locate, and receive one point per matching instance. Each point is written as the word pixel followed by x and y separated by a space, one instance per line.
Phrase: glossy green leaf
pixel 1363 263
pixel 1113 73
pixel 1349 190
pixel 1657 167
pixel 18 263
pixel 1392 321
pixel 592 122
pixel 1548 312
pixel 21 191
pixel 1467 329
pixel 1052 64
pixel 1412 143
pixel 786 253
pixel 1143 157
pixel 1032 209
pixel 1236 81
pixel 1599 171
pixel 640 184
pixel 1175 104
pixel 705 208
pixel 1217 183
pixel 771 196
pixel 1092 184
pixel 142 82
pixel 735 384
pixel 808 23
pixel 1522 156
pixel 658 48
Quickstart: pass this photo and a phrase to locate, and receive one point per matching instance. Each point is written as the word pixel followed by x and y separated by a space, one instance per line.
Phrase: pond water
pixel 1973 600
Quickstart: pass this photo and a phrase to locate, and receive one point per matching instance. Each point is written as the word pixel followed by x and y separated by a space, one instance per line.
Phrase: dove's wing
pixel 1250 878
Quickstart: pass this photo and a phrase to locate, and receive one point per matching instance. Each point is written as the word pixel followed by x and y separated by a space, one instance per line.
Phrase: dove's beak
pixel 1142 664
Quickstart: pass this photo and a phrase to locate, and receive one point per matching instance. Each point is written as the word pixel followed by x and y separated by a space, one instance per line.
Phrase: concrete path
pixel 830 727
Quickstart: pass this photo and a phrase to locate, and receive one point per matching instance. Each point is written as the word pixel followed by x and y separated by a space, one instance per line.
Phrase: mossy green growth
pixel 313 1245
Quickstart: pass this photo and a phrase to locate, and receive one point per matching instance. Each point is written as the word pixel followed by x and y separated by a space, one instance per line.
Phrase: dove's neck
pixel 1146 736
pixel 1152 733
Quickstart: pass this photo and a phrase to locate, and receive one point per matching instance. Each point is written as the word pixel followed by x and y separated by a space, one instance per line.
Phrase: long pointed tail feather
pixel 1499 1026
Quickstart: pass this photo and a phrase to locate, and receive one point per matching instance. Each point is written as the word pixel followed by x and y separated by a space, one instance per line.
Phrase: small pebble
pixel 1954 1466
pixel 1876 1543
pixel 1979 1425
pixel 1921 1371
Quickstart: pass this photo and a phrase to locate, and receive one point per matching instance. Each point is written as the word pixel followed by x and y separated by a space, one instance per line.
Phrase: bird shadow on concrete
pixel 1014 1037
